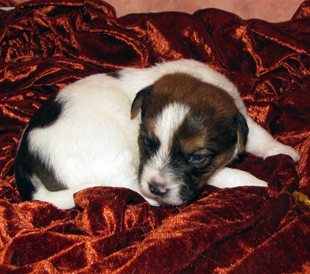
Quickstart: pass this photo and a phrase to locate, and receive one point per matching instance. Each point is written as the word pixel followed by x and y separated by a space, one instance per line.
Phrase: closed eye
pixel 196 159
pixel 146 141
pixel 149 144
pixel 202 157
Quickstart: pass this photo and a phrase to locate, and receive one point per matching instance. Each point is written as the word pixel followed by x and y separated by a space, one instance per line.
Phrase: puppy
pixel 192 124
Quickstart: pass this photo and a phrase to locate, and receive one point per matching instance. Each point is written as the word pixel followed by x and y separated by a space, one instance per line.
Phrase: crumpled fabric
pixel 46 45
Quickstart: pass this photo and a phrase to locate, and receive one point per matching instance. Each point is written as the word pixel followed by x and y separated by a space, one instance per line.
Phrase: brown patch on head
pixel 205 100
pixel 201 96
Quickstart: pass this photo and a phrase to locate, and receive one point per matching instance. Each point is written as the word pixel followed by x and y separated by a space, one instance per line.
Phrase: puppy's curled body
pixel 84 137
pixel 90 141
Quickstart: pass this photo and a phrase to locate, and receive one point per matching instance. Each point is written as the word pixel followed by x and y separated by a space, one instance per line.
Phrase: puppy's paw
pixel 228 177
pixel 278 148
pixel 151 201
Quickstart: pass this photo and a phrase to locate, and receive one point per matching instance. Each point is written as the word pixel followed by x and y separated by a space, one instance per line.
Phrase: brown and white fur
pixel 193 123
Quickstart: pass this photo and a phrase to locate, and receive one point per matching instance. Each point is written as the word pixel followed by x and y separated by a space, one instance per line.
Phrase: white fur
pixel 165 127
pixel 228 177
pixel 94 142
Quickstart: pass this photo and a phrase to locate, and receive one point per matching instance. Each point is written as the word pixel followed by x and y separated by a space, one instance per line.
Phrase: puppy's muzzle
pixel 157 190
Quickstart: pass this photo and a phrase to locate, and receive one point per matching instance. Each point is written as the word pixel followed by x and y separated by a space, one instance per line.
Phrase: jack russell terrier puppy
pixel 192 124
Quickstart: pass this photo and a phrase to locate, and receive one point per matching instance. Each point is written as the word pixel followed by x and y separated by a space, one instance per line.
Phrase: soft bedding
pixel 46 45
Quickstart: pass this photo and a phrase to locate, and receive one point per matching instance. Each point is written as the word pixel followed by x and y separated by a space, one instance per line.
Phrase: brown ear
pixel 137 102
pixel 242 132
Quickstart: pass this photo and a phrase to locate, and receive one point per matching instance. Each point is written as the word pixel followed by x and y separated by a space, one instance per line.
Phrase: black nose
pixel 157 190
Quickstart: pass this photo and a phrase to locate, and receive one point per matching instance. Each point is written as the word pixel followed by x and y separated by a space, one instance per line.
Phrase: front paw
pixel 278 148
pixel 151 201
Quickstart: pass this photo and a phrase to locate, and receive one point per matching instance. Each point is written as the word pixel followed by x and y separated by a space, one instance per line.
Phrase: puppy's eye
pixel 147 142
pixel 196 159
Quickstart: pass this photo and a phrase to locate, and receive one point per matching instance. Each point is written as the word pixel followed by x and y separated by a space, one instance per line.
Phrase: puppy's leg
pixel 228 177
pixel 151 201
pixel 63 199
pixel 262 144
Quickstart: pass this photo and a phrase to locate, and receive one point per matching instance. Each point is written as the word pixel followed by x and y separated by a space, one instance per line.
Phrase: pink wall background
pixel 272 11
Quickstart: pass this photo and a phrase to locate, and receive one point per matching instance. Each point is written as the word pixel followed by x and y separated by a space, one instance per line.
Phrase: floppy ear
pixel 242 131
pixel 137 102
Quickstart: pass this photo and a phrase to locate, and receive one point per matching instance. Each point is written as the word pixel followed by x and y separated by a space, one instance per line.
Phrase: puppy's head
pixel 189 130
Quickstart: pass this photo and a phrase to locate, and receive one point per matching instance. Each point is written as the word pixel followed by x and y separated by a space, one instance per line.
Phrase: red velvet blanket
pixel 45 45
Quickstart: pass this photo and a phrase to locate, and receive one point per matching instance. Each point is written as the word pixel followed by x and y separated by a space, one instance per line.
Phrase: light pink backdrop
pixel 272 11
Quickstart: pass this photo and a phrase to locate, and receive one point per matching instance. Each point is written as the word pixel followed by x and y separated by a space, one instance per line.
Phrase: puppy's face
pixel 189 130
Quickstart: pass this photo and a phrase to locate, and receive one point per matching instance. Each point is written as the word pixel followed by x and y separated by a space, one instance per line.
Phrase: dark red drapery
pixel 45 45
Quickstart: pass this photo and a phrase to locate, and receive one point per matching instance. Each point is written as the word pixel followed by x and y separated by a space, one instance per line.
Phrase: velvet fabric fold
pixel 46 45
